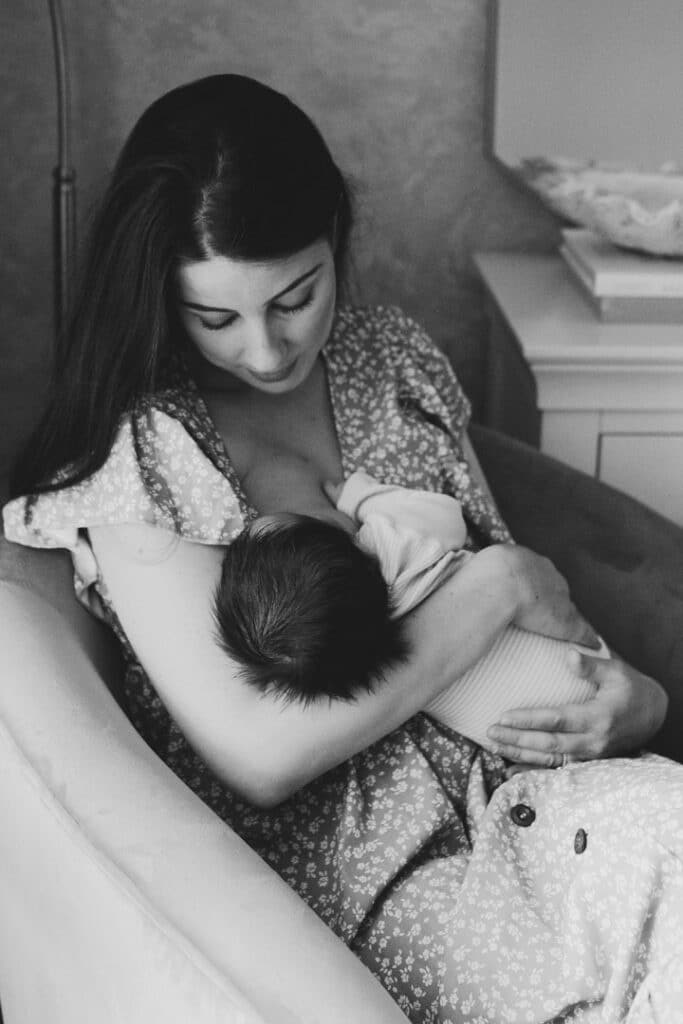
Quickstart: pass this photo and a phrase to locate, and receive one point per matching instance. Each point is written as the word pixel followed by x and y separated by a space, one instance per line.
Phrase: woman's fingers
pixel 570 718
pixel 548 736
pixel 534 758
pixel 635 704
pixel 587 666
pixel 627 710
pixel 543 736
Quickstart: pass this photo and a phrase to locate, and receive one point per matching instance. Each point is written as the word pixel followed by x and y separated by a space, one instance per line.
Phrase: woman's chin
pixel 297 375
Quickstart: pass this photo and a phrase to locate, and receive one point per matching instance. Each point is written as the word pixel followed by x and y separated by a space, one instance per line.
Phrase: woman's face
pixel 261 324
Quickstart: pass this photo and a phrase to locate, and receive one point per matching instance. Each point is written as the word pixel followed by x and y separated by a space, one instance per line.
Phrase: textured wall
pixel 396 87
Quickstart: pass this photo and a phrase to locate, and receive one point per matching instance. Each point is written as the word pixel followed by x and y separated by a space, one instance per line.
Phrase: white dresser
pixel 610 395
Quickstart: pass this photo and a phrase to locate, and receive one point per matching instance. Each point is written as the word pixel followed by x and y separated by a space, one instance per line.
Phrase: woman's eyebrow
pixel 289 288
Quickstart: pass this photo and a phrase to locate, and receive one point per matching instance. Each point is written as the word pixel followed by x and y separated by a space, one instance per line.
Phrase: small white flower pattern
pixel 183 494
pixel 554 896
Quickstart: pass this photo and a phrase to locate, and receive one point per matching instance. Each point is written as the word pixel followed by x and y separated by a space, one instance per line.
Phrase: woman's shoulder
pixel 385 325
pixel 386 333
pixel 388 336
pixel 382 347
pixel 156 474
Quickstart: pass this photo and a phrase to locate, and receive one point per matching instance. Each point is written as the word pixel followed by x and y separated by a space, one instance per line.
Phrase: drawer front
pixel 647 466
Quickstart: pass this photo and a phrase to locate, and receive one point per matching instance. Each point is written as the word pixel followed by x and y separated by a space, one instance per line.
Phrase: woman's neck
pixel 211 380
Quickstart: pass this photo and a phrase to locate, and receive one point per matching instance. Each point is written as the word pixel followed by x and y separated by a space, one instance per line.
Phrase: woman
pixel 206 336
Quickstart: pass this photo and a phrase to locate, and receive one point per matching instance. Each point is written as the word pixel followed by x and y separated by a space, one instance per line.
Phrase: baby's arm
pixel 428 514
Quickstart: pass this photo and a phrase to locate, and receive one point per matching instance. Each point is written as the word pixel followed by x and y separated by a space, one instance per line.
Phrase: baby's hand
pixel 332 491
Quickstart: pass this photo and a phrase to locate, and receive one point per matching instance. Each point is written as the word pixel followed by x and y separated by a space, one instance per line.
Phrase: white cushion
pixel 123 897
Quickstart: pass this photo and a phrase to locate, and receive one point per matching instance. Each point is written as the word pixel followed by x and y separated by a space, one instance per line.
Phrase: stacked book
pixel 624 286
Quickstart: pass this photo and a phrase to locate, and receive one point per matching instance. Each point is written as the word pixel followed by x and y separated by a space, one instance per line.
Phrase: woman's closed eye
pixel 277 307
pixel 296 307
pixel 212 325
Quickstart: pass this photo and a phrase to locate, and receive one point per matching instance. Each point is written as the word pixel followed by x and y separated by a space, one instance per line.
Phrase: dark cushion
pixel 623 562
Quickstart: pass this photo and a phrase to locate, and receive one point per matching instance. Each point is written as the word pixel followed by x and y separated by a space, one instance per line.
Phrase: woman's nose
pixel 265 348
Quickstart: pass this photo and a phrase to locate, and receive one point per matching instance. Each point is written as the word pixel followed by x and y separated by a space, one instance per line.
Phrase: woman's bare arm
pixel 162 589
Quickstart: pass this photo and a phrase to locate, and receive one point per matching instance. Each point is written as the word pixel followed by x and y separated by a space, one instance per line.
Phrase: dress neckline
pixel 217 446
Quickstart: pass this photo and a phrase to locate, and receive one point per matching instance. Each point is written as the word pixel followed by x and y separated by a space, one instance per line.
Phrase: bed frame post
pixel 64 189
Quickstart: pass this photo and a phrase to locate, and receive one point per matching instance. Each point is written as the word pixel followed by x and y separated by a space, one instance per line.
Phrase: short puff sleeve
pixel 155 474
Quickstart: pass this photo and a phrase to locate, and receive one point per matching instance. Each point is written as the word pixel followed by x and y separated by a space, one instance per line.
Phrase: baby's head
pixel 304 611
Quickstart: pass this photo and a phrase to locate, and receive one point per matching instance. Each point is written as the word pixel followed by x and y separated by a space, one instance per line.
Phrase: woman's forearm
pixel 260 746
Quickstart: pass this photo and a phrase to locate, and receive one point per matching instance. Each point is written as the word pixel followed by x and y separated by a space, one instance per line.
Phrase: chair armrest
pixel 623 562
pixel 49 573
pixel 124 898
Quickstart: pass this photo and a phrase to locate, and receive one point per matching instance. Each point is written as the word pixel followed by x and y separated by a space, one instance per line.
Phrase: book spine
pixel 629 280
pixel 636 285
pixel 624 309
pixel 634 309
pixel 577 268
pixel 574 255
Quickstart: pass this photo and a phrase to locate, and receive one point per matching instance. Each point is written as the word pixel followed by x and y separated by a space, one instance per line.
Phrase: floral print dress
pixel 557 895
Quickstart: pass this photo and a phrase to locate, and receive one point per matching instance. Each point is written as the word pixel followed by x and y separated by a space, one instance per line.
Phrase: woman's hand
pixel 627 710
pixel 541 595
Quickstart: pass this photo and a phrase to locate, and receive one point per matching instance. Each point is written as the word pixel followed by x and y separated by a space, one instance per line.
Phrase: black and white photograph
pixel 341 480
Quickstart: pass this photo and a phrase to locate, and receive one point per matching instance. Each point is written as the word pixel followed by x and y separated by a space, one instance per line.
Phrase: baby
pixel 311 606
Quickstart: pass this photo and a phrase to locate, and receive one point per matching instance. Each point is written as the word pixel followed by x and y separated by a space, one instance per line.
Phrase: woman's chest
pixel 370 418
pixel 277 446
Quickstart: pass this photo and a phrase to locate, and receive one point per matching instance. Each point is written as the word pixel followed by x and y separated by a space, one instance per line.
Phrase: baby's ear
pixel 332 491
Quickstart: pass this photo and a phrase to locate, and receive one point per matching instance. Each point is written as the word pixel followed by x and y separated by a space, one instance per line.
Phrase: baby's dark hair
pixel 305 612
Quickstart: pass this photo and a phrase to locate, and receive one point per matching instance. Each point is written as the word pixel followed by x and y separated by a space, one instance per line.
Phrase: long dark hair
pixel 222 166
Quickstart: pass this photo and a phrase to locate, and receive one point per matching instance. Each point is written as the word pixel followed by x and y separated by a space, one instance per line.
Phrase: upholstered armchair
pixel 123 899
